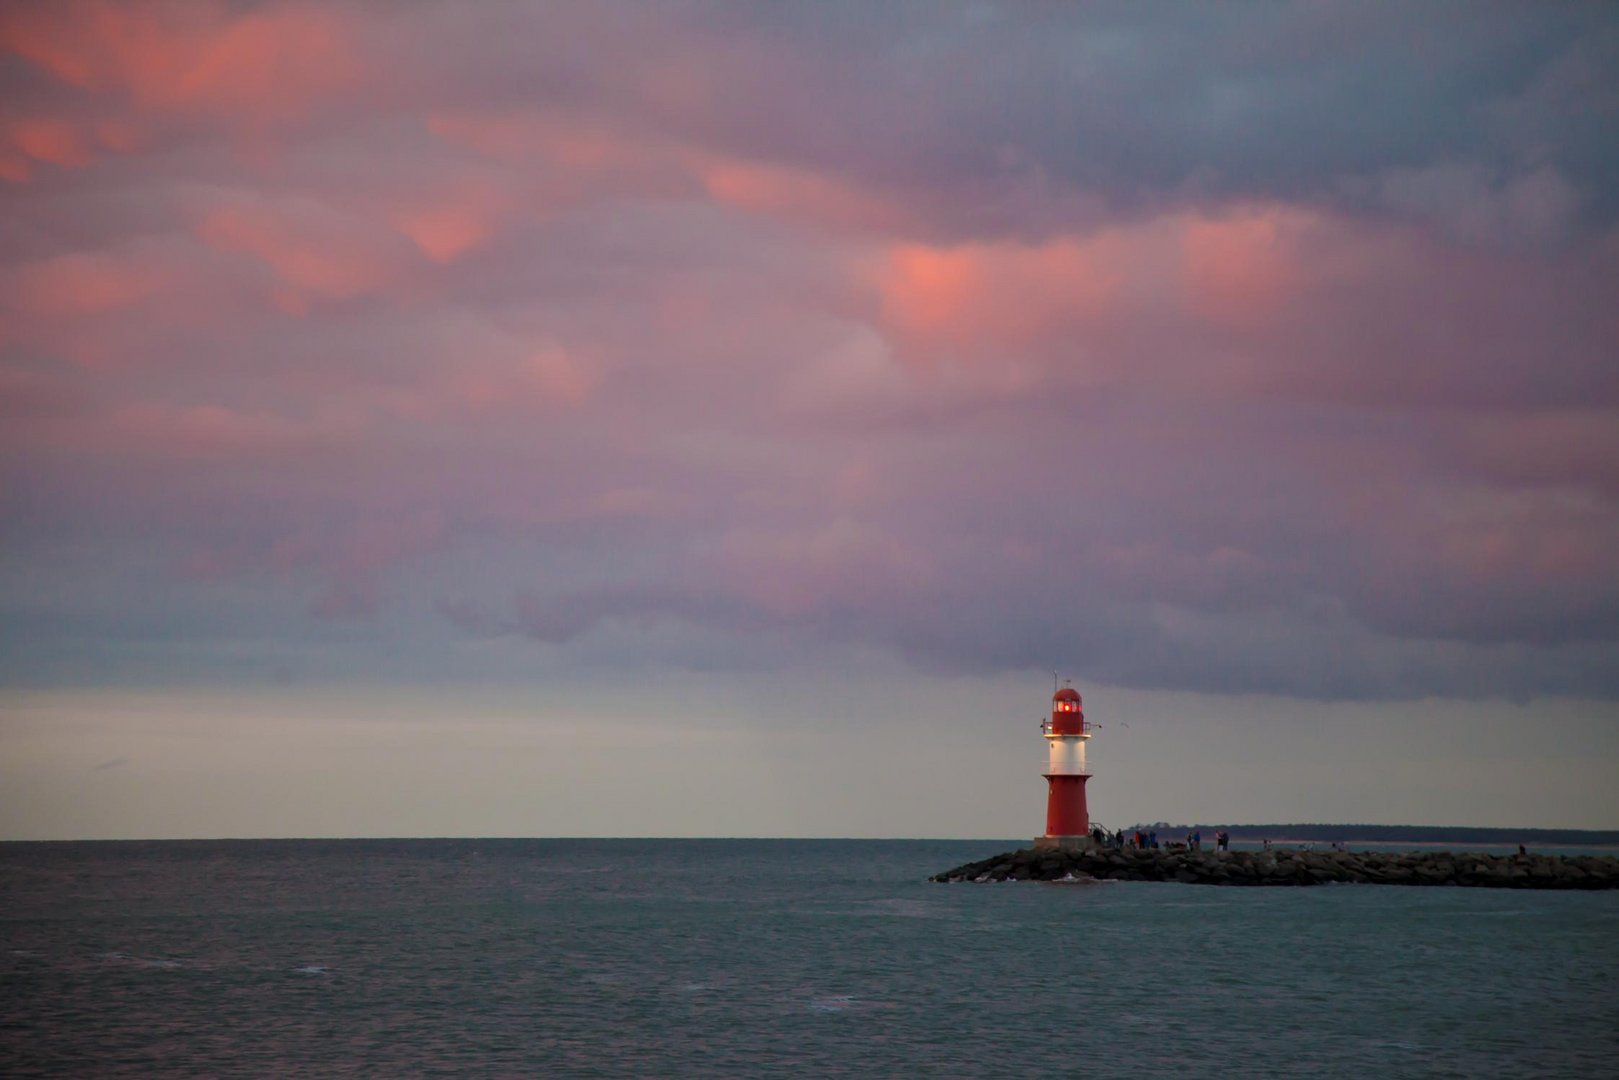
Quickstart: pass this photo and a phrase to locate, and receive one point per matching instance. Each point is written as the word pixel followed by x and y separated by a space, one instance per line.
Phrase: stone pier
pixel 1293 867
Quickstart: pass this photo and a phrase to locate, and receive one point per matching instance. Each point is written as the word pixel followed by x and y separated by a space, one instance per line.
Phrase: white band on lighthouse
pixel 1066 756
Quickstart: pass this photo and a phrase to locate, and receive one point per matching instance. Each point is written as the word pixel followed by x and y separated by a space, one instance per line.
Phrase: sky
pixel 725 419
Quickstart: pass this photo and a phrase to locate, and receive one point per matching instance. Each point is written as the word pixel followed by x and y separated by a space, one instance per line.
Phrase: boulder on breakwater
pixel 1296 867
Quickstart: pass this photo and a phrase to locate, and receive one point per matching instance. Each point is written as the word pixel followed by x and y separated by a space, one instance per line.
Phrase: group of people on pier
pixel 1148 839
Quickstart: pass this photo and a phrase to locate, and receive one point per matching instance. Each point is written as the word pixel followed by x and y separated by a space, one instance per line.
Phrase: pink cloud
pixel 70 286
pixel 799 194
pixel 996 301
pixel 546 376
pixel 578 157
pixel 56 141
pixel 1239 269
pixel 263 66
pixel 67 143
pixel 314 250
pixel 1251 301
pixel 445 231
pixel 123 306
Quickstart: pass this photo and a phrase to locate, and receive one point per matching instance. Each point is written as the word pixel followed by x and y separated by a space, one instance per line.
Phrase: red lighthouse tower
pixel 1068 823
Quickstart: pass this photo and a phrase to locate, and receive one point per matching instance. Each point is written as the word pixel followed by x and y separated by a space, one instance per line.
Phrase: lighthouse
pixel 1068 823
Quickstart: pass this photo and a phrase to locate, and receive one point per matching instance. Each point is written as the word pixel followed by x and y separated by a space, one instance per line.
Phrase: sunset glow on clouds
pixel 1245 350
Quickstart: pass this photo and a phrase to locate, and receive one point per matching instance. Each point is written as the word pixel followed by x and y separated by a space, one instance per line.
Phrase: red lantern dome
pixel 1067 712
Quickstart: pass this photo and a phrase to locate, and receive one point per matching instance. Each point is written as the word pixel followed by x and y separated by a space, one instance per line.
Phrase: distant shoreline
pixel 1446 844
pixel 1415 835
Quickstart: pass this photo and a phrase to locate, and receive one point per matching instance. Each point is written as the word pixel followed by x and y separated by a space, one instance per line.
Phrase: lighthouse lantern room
pixel 1068 823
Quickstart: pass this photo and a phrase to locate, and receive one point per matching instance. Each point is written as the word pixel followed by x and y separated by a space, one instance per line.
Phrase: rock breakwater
pixel 1289 867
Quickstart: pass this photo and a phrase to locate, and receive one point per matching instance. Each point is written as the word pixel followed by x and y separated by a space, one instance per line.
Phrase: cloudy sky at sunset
pixel 722 419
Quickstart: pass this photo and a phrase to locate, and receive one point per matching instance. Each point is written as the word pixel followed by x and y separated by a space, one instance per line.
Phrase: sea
pixel 706 958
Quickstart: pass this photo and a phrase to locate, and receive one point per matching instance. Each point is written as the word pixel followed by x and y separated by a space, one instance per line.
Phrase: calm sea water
pixel 733 957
